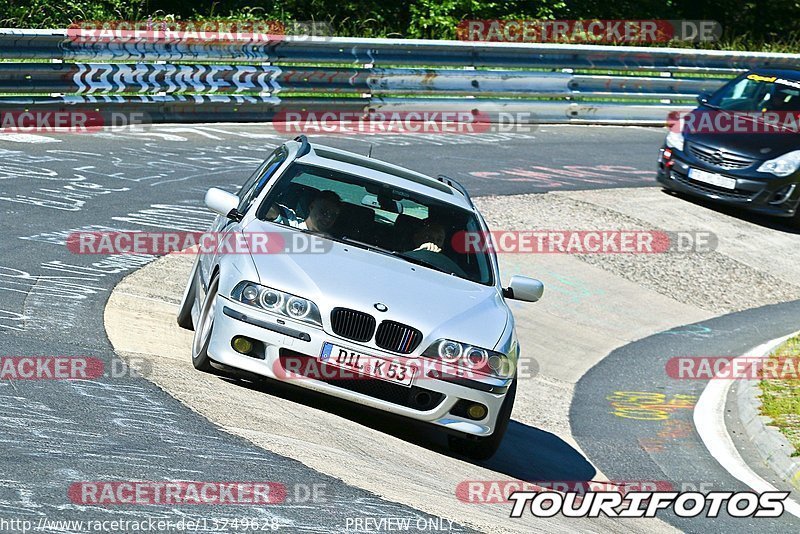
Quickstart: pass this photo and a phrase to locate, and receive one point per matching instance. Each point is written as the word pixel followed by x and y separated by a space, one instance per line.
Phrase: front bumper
pixel 754 191
pixel 428 400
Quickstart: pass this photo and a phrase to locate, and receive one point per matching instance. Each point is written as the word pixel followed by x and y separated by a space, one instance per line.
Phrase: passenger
pixel 323 212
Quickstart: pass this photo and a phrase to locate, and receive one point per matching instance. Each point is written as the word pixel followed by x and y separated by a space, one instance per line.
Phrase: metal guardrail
pixel 189 81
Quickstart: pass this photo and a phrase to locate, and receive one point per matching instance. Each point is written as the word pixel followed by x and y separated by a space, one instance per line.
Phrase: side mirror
pixel 702 98
pixel 223 203
pixel 524 288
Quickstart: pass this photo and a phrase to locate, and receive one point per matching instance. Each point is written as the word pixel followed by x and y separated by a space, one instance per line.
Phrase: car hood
pixel 761 146
pixel 437 304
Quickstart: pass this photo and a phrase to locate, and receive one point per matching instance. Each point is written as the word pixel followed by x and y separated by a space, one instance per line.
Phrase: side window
pixel 255 184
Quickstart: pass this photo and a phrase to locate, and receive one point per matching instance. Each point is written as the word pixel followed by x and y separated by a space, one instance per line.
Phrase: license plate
pixel 712 178
pixel 359 363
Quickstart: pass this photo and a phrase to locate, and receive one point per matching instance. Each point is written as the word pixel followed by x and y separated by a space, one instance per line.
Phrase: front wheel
pixel 794 222
pixel 484 448
pixel 187 303
pixel 202 334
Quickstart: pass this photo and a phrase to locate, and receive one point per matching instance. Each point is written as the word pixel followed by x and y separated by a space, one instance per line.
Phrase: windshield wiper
pixel 417 261
pixel 361 244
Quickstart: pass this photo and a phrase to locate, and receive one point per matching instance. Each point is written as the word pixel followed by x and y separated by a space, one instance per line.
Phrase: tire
pixel 484 448
pixel 205 326
pixel 794 222
pixel 187 303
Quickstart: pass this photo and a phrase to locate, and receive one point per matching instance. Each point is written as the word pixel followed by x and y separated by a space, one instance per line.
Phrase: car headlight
pixel 471 358
pixel 782 165
pixel 277 302
pixel 675 140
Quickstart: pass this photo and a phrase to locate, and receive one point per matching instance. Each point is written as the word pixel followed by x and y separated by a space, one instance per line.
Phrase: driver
pixel 429 240
pixel 430 236
pixel 323 212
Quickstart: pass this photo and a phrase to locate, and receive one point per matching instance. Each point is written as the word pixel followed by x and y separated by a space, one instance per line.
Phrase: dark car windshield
pixel 374 215
pixel 760 93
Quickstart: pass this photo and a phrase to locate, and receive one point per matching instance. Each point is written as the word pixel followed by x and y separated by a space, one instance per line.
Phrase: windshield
pixel 759 92
pixel 388 220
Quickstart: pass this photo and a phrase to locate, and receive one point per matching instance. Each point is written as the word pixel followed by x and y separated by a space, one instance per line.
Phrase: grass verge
pixel 780 399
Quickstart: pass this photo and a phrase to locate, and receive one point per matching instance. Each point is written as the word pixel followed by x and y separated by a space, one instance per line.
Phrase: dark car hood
pixel 761 146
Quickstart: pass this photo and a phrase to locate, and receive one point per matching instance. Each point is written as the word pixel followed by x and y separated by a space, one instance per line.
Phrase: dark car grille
pixel 718 158
pixel 352 324
pixel 415 397
pixel 397 337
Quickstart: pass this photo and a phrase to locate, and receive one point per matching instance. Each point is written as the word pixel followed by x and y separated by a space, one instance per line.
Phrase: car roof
pixel 788 73
pixel 384 172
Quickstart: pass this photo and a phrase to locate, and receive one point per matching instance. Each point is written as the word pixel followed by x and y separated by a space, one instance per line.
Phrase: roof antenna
pixel 369 154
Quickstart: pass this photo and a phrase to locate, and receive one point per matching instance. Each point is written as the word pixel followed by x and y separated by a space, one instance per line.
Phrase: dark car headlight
pixel 675 140
pixel 471 358
pixel 277 302
pixel 782 165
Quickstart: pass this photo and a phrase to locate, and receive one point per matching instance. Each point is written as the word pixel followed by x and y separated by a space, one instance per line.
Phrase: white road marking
pixel 709 420
pixel 164 136
pixel 197 131
pixel 27 138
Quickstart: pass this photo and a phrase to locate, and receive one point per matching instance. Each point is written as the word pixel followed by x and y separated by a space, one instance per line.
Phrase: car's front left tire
pixel 205 326
pixel 794 222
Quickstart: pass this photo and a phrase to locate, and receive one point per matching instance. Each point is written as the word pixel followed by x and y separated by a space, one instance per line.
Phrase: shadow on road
pixel 526 453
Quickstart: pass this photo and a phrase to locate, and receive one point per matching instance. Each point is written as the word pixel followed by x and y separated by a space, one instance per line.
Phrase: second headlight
pixel 782 165
pixel 471 358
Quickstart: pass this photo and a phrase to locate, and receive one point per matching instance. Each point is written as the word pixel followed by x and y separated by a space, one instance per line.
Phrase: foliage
pixel 747 24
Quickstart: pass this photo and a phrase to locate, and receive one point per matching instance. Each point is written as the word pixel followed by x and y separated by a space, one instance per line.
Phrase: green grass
pixel 781 398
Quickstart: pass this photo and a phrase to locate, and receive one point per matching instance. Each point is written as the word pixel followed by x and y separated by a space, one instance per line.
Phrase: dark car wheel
pixel 794 222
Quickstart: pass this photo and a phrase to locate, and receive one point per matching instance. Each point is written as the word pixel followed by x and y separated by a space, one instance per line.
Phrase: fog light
pixel 477 411
pixel 783 195
pixel 242 345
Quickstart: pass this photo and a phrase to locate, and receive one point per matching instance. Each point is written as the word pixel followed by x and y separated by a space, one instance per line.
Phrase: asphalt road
pixel 659 442
pixel 51 302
